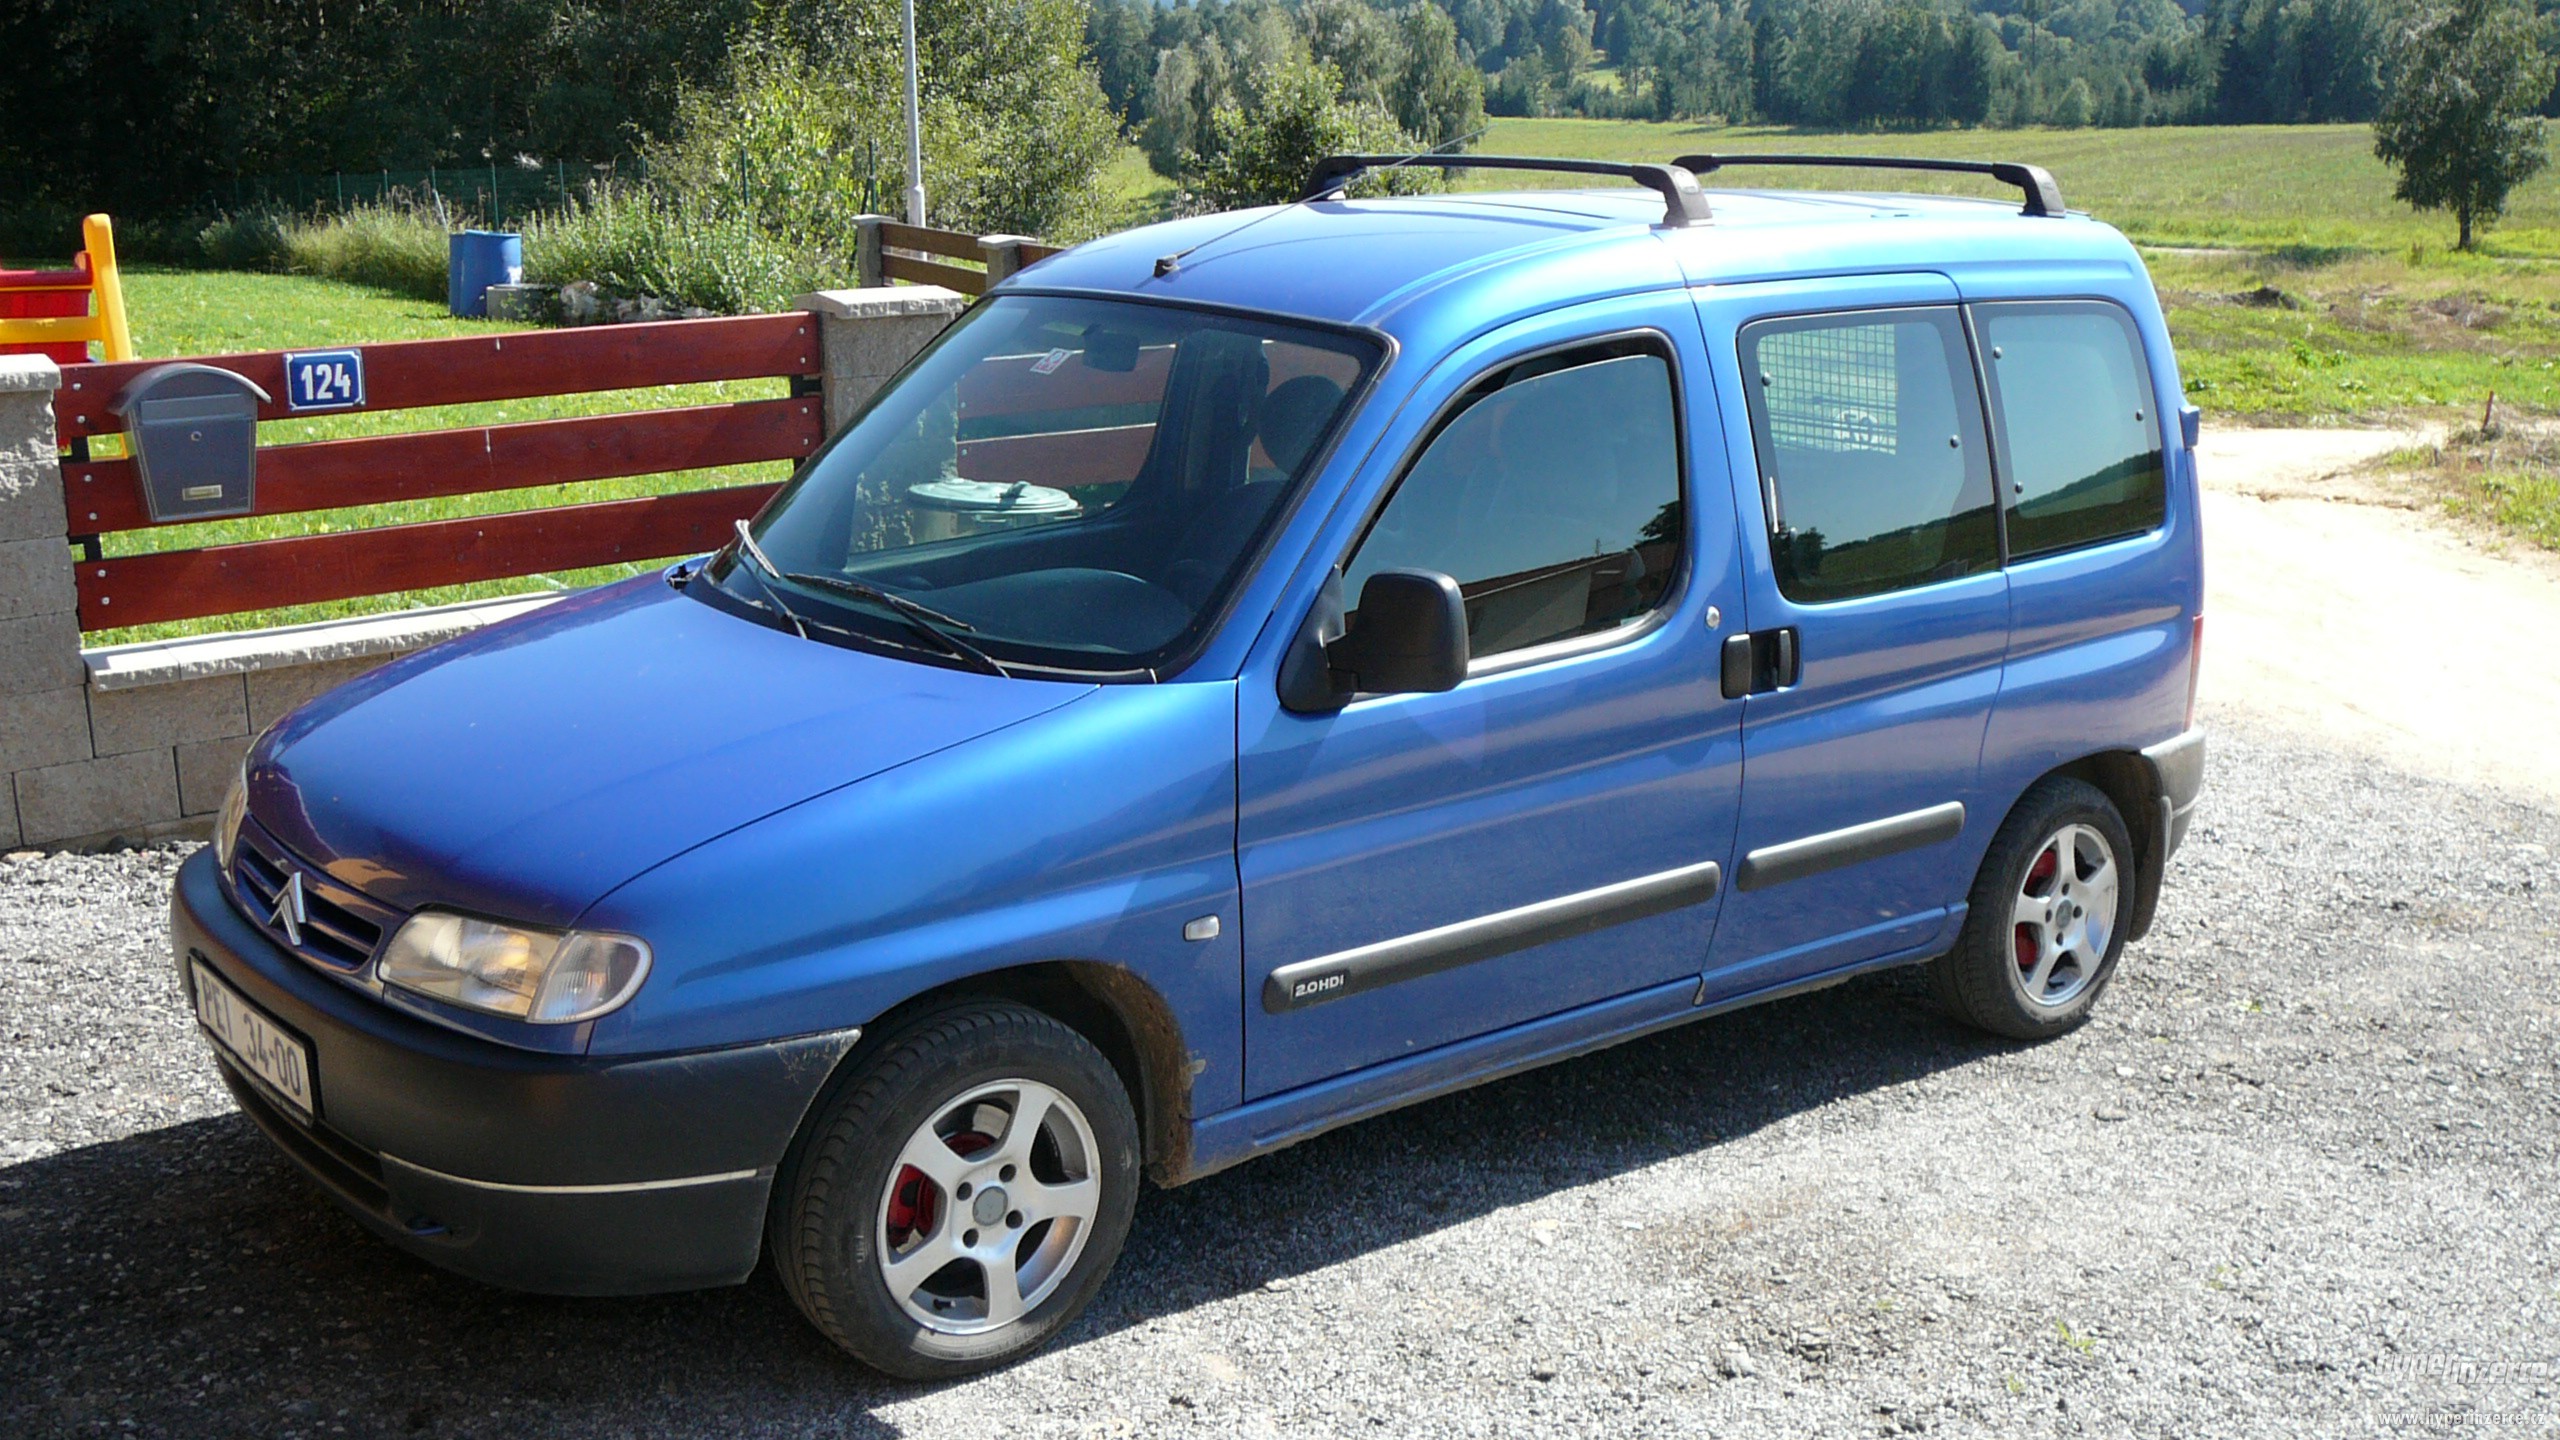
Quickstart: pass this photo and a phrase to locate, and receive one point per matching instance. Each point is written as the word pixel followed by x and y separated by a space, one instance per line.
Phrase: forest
pixel 157 105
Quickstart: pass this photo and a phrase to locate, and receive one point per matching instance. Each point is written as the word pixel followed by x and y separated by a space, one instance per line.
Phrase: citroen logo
pixel 289 915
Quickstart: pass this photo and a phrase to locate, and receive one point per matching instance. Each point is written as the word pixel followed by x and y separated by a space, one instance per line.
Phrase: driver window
pixel 1552 497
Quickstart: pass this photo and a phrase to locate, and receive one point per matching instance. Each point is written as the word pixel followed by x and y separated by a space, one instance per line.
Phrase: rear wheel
pixel 2047 918
pixel 961 1195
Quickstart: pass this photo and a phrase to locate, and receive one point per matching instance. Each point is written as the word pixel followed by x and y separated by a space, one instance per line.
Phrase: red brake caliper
pixel 914 1202
pixel 2022 940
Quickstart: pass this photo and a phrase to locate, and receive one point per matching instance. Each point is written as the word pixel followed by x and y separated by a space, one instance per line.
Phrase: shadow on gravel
pixel 187 1281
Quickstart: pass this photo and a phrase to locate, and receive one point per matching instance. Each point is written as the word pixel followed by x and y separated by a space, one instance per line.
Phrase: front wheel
pixel 961 1195
pixel 2047 916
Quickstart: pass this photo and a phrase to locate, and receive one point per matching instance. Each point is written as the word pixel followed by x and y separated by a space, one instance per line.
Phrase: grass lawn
pixel 185 312
pixel 2257 186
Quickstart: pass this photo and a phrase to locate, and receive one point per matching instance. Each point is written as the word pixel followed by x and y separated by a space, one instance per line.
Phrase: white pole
pixel 915 131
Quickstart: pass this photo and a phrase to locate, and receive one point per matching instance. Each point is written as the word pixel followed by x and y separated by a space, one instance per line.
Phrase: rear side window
pixel 1872 463
pixel 2079 441
pixel 1552 497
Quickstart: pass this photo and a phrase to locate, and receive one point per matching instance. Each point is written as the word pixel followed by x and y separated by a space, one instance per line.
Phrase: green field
pixel 2255 186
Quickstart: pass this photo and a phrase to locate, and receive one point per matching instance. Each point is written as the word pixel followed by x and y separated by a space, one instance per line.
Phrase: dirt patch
pixel 2471 312
pixel 2341 605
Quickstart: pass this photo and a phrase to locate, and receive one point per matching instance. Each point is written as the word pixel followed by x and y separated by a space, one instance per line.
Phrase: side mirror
pixel 1409 639
pixel 1409 636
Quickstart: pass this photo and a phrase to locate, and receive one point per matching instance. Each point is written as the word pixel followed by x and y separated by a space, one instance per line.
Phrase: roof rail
pixel 2043 196
pixel 1684 203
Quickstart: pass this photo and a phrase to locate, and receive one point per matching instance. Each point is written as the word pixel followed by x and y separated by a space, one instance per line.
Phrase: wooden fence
pixel 103 497
pixel 884 240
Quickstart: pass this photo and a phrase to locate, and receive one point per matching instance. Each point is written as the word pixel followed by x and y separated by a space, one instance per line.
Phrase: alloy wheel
pixel 988 1207
pixel 2065 916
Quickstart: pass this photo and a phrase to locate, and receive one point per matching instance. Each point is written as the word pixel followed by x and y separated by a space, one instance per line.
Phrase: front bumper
pixel 563 1174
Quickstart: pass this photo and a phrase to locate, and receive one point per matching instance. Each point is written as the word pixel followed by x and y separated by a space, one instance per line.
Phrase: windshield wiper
pixel 922 618
pixel 760 567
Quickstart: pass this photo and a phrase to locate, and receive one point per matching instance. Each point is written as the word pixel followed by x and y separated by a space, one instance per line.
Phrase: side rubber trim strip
pixel 1832 849
pixel 1303 983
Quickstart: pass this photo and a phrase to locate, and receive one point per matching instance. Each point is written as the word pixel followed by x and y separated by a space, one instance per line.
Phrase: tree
pixel 1124 58
pixel 1438 96
pixel 1264 155
pixel 2076 107
pixel 2458 124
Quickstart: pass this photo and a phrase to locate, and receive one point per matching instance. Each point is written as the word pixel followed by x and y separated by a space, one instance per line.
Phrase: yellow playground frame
pixel 96 274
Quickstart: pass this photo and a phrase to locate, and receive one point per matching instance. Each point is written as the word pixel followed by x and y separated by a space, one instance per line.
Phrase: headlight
pixel 226 826
pixel 544 976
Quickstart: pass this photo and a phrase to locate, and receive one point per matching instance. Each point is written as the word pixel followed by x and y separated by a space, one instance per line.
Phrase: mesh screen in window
pixel 1872 451
pixel 2077 425
pixel 1832 389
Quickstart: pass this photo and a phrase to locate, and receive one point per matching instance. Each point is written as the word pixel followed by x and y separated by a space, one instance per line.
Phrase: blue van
pixel 1249 674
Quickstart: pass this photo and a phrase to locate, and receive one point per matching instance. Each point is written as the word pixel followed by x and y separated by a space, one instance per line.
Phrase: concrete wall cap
pixel 161 662
pixel 882 302
pixel 28 375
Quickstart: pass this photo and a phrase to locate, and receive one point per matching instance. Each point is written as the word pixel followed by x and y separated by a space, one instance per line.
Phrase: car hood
pixel 527 769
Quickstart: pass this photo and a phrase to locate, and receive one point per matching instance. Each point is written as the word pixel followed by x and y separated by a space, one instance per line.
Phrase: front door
pixel 1878 621
pixel 1420 869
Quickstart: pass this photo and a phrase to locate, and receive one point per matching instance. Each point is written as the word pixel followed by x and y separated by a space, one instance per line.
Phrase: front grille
pixel 341 928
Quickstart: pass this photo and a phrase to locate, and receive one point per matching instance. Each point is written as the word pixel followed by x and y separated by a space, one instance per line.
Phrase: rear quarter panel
pixel 2100 639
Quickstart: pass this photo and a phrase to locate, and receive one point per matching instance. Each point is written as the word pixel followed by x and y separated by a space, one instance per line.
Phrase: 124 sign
pixel 324 380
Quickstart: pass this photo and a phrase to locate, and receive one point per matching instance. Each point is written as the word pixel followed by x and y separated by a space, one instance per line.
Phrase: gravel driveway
pixel 2297 1178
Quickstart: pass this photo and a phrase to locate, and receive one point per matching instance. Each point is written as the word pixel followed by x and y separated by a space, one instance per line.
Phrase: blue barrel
pixel 476 260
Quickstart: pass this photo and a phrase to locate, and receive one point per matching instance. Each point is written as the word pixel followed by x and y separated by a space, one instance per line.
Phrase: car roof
pixel 1394 262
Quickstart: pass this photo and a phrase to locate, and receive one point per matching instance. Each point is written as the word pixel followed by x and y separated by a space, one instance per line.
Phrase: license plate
pixel 248 1036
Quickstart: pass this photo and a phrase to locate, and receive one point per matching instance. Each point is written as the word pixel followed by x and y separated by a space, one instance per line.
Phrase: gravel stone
pixel 2300 1176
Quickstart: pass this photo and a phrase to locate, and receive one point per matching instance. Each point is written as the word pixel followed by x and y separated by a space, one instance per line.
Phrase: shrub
pixel 639 242
pixel 389 247
pixel 806 131
pixel 254 241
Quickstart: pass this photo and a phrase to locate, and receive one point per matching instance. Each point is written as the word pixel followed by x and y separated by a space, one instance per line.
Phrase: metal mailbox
pixel 194 433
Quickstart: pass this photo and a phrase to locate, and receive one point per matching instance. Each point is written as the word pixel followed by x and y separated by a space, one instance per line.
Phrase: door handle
pixel 1760 661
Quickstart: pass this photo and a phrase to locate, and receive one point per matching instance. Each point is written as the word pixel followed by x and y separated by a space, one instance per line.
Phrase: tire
pixel 920 1165
pixel 2039 948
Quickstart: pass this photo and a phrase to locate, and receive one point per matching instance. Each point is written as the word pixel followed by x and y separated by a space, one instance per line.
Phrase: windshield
pixel 1059 482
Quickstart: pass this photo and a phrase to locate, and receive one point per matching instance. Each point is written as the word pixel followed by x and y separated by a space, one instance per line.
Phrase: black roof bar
pixel 2043 196
pixel 1684 203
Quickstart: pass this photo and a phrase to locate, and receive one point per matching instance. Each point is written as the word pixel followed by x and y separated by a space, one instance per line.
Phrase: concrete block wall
pixel 867 335
pixel 139 742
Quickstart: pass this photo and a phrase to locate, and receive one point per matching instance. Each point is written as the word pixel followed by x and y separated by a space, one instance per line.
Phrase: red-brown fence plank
pixel 407 374
pixel 933 272
pixel 1032 251
pixel 1067 458
pixel 185 584
pixel 959 245
pixel 104 496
